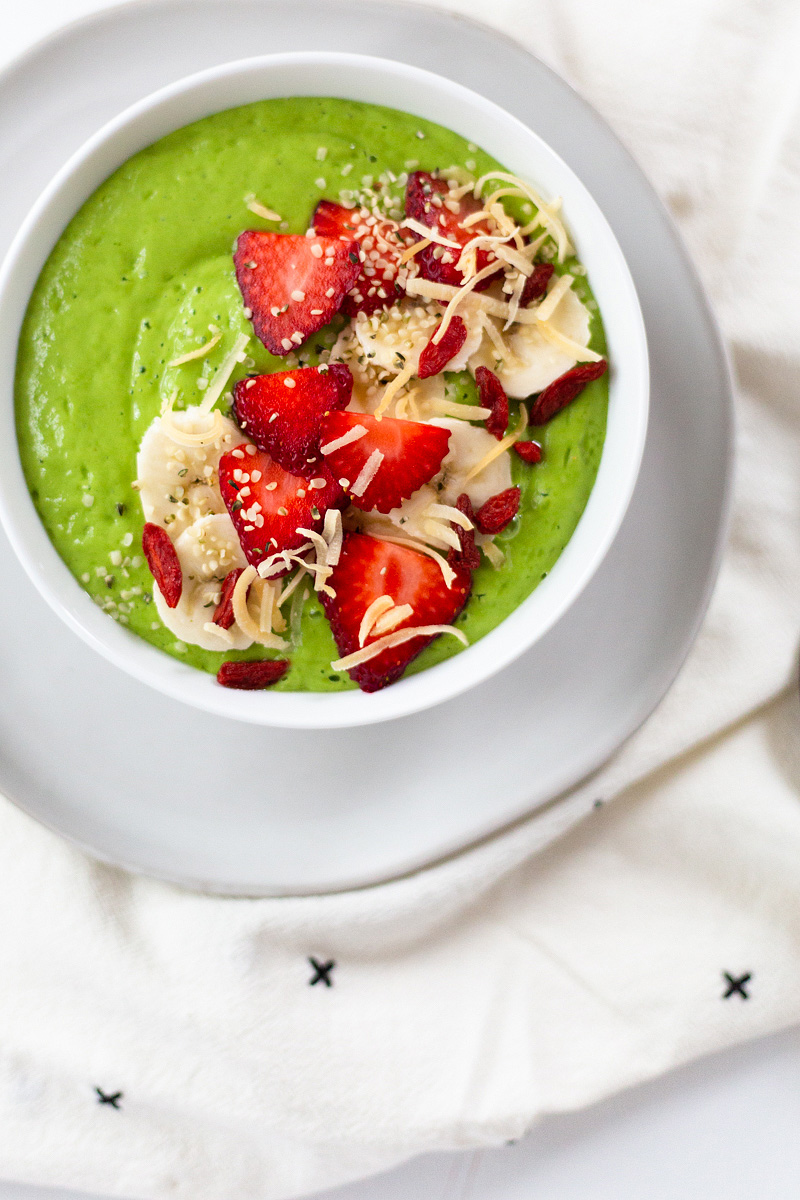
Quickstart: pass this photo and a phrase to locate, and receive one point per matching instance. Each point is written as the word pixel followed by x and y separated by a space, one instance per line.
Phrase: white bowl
pixel 423 94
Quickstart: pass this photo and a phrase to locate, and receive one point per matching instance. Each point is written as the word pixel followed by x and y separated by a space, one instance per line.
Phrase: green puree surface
pixel 135 280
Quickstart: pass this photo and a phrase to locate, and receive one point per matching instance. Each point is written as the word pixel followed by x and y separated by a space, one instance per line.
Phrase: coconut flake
pixel 242 616
pixel 395 639
pixel 352 435
pixel 228 365
pixel 392 618
pixel 200 352
pixel 367 473
pixel 430 235
pixel 377 609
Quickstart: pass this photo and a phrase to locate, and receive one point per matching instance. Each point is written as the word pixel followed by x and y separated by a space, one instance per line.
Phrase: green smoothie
pixel 136 279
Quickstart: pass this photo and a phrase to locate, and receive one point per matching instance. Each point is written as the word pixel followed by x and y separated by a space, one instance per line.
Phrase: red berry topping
pixel 469 555
pixel 281 412
pixel 536 283
pixel 369 568
pixel 425 195
pixel 382 241
pixel 397 457
pixel 268 505
pixel 529 452
pixel 562 391
pixel 293 285
pixel 252 676
pixel 493 516
pixel 491 394
pixel 436 355
pixel 162 559
pixel 223 613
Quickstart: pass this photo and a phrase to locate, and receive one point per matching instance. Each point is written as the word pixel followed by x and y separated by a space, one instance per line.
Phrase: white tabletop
pixel 721 1129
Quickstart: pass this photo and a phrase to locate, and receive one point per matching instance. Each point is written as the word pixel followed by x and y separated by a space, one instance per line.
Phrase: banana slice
pixel 422 400
pixel 179 484
pixel 208 549
pixel 394 339
pixel 532 361
pixel 468 445
pixel 407 519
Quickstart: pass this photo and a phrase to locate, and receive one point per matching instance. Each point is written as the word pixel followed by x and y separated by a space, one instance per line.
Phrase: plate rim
pixel 108 16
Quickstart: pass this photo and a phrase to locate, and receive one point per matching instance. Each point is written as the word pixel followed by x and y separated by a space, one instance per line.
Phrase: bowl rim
pixel 605 509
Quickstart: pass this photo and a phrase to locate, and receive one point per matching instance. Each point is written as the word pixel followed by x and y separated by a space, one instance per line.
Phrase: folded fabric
pixel 155 1043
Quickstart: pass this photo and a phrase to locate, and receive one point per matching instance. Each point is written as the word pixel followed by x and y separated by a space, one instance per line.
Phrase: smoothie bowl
pixel 324 390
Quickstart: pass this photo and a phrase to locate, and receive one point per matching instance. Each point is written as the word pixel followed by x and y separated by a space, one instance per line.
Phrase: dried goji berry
pixel 561 391
pixel 529 452
pixel 536 283
pixel 162 559
pixel 464 505
pixel 436 355
pixel 223 613
pixel 468 555
pixel 250 676
pixel 493 516
pixel 491 394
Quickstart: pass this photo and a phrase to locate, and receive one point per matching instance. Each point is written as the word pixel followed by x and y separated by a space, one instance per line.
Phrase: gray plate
pixel 149 784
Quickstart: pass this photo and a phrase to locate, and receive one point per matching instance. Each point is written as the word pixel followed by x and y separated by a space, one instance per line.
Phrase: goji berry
pixel 468 555
pixel 491 394
pixel 223 613
pixel 436 355
pixel 529 452
pixel 162 559
pixel 536 283
pixel 562 391
pixel 250 676
pixel 493 516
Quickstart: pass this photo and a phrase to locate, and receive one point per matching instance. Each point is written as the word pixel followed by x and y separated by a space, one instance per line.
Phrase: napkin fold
pixel 155 1043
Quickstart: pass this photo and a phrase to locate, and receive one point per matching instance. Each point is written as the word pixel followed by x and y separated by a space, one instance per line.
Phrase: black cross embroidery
pixel 113 1098
pixel 736 985
pixel 322 972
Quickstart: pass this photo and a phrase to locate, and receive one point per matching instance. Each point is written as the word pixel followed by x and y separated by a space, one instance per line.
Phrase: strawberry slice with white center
pixel 268 505
pixel 369 569
pixel 380 463
pixel 282 412
pixel 293 285
pixel 427 202
pixel 382 241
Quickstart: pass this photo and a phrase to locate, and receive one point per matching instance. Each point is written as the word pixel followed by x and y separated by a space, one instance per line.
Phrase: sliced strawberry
pixel 496 512
pixel 267 505
pixel 425 196
pixel 281 412
pixel 436 355
pixel 536 283
pixel 369 568
pixel 406 453
pixel 293 285
pixel 382 241
pixel 162 559
pixel 492 395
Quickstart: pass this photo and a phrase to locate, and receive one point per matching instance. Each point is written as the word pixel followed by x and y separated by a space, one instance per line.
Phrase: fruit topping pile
pixel 358 472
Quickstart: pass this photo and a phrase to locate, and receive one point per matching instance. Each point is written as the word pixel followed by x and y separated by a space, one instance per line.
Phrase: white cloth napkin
pixel 511 981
